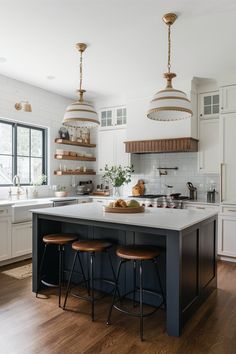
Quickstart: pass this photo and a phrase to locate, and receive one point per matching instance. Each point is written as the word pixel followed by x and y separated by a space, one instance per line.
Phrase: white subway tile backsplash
pixel 145 167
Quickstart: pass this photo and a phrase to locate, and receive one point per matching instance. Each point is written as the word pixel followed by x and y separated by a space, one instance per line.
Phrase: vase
pixel 117 191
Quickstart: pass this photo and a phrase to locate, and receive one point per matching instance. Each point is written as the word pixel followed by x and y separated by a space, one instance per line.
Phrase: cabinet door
pixel 106 146
pixel 227 236
pixel 121 157
pixel 228 99
pixel 208 155
pixel 21 239
pixel 209 105
pixel 228 150
pixel 5 238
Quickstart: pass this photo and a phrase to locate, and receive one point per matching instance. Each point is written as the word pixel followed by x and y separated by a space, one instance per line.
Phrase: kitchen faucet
pixel 16 181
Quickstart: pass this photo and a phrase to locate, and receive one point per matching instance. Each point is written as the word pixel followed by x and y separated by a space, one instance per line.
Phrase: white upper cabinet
pixel 209 150
pixel 111 149
pixel 228 157
pixel 209 153
pixel 228 99
pixel 209 105
pixel 113 117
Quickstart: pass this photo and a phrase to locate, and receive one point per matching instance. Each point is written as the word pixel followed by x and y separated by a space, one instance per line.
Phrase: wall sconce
pixel 24 105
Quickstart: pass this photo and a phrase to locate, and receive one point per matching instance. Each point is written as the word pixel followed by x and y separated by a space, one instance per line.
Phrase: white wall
pixel 47 111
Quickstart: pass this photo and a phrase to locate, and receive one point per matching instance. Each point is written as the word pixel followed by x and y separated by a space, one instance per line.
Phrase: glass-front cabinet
pixel 209 105
pixel 113 117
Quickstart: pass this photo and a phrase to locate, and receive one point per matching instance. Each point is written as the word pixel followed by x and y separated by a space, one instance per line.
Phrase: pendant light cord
pixel 169 48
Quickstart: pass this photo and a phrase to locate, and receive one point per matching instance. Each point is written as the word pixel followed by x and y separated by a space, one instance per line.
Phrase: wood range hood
pixel 161 146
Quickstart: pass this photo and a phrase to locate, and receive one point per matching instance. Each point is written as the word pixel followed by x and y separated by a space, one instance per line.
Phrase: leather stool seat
pixel 59 239
pixel 138 252
pixel 91 245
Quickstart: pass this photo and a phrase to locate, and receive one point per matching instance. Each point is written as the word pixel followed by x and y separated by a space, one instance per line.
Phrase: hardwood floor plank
pixel 37 326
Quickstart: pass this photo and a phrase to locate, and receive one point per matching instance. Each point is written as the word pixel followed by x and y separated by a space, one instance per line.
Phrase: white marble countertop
pixel 171 219
pixel 7 202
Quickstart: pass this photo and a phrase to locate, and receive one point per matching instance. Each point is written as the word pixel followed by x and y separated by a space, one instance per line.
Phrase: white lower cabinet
pixel 5 237
pixel 226 231
pixel 21 239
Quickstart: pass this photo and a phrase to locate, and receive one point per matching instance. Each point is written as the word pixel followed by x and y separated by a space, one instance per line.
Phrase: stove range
pixel 149 196
pixel 162 200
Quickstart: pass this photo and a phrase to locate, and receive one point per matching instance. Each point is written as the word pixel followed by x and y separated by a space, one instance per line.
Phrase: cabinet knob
pixel 201 115
pixel 221 107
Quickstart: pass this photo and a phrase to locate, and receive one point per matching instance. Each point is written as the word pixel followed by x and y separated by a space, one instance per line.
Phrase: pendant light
pixel 169 104
pixel 81 114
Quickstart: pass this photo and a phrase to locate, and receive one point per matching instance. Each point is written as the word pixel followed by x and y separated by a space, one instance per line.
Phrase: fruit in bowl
pixel 132 203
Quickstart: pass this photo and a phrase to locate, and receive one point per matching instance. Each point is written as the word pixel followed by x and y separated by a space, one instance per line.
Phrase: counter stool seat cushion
pixel 138 252
pixel 91 245
pixel 59 239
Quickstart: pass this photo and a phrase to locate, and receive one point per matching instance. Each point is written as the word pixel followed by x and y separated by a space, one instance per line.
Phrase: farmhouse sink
pixel 21 209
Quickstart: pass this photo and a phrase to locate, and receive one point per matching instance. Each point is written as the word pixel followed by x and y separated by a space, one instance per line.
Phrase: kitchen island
pixel 187 239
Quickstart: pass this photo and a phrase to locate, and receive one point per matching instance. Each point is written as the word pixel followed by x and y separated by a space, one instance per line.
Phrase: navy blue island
pixel 187 238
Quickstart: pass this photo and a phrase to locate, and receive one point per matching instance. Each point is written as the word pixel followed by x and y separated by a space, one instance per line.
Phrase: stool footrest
pixel 129 313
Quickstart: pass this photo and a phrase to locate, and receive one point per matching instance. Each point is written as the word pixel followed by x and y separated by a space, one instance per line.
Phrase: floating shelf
pixel 74 143
pixel 66 173
pixel 75 158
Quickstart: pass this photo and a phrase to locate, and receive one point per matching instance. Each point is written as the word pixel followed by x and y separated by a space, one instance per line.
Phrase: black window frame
pixel 14 155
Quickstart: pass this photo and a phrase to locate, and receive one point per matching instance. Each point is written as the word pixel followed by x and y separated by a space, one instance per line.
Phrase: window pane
pixel 6 136
pixel 207 110
pixel 36 169
pixel 5 169
pixel 23 141
pixel 109 122
pixel 36 143
pixel 109 114
pixel 216 108
pixel 119 121
pixel 23 169
pixel 104 114
pixel 207 100
pixel 119 112
pixel 216 99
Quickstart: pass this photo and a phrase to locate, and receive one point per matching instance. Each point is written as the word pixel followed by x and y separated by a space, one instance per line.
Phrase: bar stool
pixel 60 240
pixel 91 247
pixel 137 254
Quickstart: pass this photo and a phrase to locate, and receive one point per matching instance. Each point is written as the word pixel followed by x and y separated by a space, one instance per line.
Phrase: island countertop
pixel 160 218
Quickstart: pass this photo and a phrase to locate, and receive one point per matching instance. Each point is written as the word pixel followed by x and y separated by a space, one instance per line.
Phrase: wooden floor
pixel 29 325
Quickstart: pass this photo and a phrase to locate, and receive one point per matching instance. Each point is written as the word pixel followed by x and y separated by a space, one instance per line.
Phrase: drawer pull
pixel 2 211
pixel 200 208
pixel 232 210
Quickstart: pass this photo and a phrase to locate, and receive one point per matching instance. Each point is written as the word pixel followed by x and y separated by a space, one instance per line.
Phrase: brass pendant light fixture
pixel 81 114
pixel 169 104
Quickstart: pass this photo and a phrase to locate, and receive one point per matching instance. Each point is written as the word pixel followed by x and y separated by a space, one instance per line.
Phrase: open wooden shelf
pixel 74 143
pixel 75 158
pixel 66 173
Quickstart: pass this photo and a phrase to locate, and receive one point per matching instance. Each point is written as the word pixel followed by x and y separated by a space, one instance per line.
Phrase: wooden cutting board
pixel 127 210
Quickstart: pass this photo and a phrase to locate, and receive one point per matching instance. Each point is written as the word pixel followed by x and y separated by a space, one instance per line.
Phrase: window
pixel 115 116
pixel 22 152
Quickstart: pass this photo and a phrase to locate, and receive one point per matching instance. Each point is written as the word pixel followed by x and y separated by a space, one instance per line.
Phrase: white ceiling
pixel 127 42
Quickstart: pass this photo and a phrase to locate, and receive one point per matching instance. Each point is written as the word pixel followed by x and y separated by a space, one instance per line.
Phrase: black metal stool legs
pixel 41 269
pixel 70 276
pixel 92 284
pixel 114 293
pixel 141 298
pixel 134 281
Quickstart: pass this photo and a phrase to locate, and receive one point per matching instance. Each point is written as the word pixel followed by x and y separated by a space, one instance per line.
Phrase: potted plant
pixel 61 191
pixel 42 179
pixel 118 176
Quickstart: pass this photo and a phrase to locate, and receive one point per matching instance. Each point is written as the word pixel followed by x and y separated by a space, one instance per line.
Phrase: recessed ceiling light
pixel 50 77
pixel 3 60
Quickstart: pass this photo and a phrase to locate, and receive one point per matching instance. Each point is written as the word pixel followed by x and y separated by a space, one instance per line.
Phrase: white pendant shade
pixel 80 114
pixel 169 104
